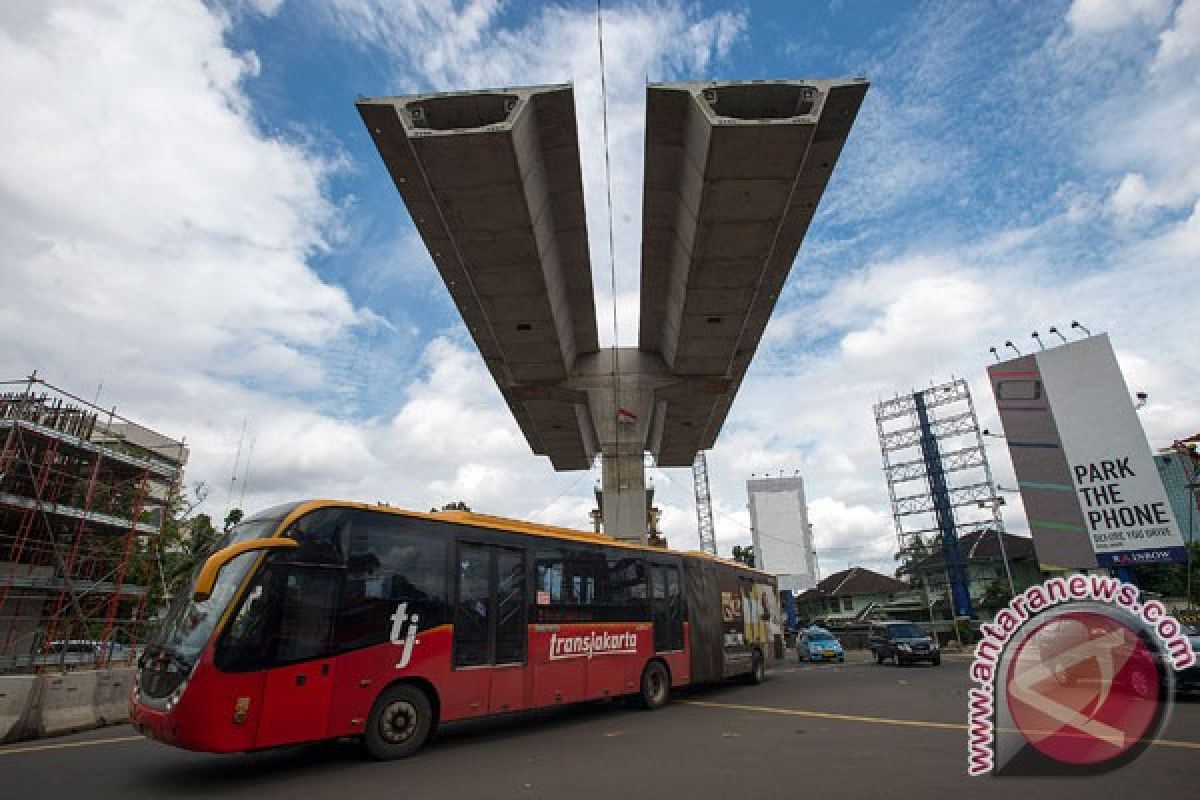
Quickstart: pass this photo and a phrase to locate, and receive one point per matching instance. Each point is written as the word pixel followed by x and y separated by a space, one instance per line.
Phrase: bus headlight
pixel 175 696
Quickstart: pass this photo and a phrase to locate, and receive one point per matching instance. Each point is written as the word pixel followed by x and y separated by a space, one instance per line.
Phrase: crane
pixel 704 515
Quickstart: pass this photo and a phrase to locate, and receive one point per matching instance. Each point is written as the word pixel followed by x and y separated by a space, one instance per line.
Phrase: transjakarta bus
pixel 328 619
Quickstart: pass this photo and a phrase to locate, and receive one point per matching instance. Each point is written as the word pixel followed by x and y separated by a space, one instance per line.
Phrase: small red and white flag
pixel 626 417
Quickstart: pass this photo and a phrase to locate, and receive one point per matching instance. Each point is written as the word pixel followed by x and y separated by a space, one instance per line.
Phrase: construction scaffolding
pixel 84 496
pixel 931 439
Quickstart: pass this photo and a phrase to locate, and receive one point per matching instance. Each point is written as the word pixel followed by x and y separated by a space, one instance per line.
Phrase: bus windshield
pixel 189 624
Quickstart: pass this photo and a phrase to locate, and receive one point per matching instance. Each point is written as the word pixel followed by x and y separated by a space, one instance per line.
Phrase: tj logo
pixel 399 636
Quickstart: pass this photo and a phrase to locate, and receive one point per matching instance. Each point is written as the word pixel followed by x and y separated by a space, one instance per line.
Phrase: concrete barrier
pixel 113 687
pixel 18 699
pixel 54 703
pixel 68 703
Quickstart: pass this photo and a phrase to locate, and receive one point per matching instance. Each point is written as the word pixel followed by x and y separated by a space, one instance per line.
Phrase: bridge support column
pixel 623 481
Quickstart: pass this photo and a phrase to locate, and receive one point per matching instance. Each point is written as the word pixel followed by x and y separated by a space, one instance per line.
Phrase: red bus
pixel 327 619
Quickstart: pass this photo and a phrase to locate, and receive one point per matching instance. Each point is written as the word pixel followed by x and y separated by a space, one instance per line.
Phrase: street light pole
pixel 994 504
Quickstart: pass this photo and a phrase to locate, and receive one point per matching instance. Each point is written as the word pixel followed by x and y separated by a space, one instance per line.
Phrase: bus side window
pixel 549 577
pixel 286 616
pixel 323 536
pixel 306 617
pixel 625 593
pixel 569 584
pixel 391 560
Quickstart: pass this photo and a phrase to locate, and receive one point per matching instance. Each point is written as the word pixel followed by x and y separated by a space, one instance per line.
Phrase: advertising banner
pixel 782 536
pixel 1087 478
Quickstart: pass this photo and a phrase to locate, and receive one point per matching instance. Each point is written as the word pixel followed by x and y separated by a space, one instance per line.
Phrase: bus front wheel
pixel 400 722
pixel 656 686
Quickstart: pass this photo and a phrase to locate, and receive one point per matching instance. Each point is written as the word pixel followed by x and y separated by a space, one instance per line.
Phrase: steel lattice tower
pixel 708 537
pixel 932 438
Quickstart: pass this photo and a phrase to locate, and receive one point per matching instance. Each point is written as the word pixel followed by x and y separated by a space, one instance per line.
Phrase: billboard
pixel 782 536
pixel 1087 478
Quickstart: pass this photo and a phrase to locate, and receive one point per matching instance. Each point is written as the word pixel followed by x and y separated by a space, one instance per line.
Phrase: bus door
pixel 489 631
pixel 298 694
pixel 666 607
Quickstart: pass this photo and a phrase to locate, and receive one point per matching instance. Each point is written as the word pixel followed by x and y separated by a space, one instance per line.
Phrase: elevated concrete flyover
pixel 492 181
pixel 734 173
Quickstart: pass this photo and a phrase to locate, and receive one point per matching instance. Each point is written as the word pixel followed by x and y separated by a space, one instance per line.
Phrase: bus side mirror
pixel 208 573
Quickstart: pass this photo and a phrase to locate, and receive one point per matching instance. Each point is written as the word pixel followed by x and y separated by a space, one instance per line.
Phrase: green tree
pixel 163 563
pixel 193 546
pixel 996 595
pixel 234 516
pixel 744 554
pixel 916 550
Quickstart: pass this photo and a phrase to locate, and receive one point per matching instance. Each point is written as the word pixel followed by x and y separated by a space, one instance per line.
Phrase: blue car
pixel 818 644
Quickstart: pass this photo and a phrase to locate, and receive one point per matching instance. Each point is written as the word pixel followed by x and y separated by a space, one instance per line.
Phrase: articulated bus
pixel 327 619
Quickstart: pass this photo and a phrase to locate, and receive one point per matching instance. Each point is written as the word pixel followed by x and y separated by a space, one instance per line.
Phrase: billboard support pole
pixel 942 511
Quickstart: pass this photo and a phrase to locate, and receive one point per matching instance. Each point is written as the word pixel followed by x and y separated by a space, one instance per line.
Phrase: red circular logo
pixel 1083 688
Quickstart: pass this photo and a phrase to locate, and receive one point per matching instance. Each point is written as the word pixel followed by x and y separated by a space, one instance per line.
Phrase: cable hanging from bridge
pixel 612 256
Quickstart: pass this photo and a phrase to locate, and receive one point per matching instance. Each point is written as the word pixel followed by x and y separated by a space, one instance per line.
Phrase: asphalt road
pixel 856 730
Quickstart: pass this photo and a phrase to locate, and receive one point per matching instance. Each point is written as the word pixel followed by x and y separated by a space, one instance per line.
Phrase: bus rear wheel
pixel 400 722
pixel 656 686
pixel 758 670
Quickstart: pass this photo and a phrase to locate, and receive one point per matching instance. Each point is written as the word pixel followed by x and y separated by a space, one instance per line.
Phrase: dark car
pixel 903 642
pixel 1059 643
pixel 1188 680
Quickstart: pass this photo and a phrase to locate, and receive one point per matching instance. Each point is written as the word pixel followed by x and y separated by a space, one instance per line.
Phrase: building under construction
pixel 84 495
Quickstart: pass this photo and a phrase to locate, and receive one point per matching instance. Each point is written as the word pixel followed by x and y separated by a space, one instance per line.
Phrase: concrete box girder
pixel 492 181
pixel 734 173
pixel 729 197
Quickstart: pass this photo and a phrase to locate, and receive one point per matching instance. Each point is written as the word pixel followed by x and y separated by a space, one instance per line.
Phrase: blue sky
pixel 192 213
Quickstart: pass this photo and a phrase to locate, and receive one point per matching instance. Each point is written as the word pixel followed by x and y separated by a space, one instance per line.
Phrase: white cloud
pixel 1179 45
pixel 466 47
pixel 1151 154
pixel 147 225
pixel 156 240
pixel 1107 16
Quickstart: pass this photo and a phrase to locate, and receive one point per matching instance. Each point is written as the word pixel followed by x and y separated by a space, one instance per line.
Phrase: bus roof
pixel 511 525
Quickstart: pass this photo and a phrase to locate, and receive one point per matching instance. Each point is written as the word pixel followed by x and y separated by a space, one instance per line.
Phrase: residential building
pixel 852 594
pixel 987 580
